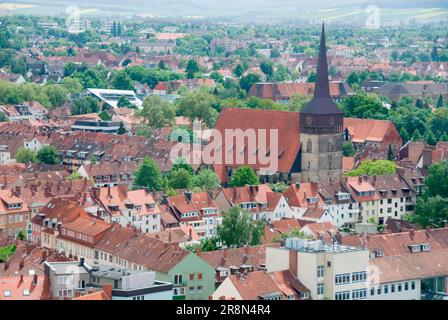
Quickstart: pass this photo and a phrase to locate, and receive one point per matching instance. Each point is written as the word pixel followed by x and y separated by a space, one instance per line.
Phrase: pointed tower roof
pixel 321 103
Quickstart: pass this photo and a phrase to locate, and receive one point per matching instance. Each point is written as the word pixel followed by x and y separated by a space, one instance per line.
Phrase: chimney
pixel 18 189
pixel 411 234
pixel 84 197
pixel 108 191
pixel 6 265
pixel 35 280
pixel 44 255
pixel 169 236
pixel 293 262
pixel 22 264
pixel 21 279
pixel 187 195
pixel 81 262
pixel 190 234
pixel 360 180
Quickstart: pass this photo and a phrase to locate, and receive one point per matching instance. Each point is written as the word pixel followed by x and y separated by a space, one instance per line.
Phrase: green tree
pixel 70 68
pixel 206 180
pixel 156 112
pixel 121 129
pixel 198 105
pixel 347 149
pixel 248 80
pixel 404 134
pixel 124 102
pixel 237 228
pixel 297 102
pixel 3 117
pixel 278 186
pixel 74 176
pixel 362 105
pixel 20 235
pixel 144 131
pixel 440 102
pixel 57 94
pixel 430 138
pixel 267 68
pixel 72 85
pixel 238 70
pixel 192 68
pixel 121 81
pixel 353 79
pixel 244 176
pixel 6 252
pixel 148 175
pixel 48 155
pixel 24 155
pixel 180 179
pixel 416 136
pixel 374 168
pixel 311 77
pixel 430 211
pixel 436 183
pixel 84 105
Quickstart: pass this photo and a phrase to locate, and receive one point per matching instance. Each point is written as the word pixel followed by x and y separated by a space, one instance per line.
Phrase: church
pixel 310 142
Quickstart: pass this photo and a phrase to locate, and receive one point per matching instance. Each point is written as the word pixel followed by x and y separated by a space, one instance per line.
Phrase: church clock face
pixel 309 120
pixel 331 120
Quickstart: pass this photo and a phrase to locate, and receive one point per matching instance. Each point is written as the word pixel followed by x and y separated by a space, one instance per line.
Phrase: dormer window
pixel 14 206
pixel 425 247
pixel 312 200
pixel 414 247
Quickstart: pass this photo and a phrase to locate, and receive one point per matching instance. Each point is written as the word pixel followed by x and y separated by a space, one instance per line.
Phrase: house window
pixel 320 289
pixel 359 294
pixel 406 286
pixel 199 290
pixel 392 288
pixel 6 293
pixel 359 276
pixel 386 289
pixel 178 279
pixel 191 290
pixel 309 146
pixel 343 295
pixel 342 278
pixel 320 271
pixel 200 276
pixel 413 285
pixel 191 276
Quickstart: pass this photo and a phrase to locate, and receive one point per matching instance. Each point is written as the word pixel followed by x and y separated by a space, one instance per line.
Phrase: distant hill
pixel 334 10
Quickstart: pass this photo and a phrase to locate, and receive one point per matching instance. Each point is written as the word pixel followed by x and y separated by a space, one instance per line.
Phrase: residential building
pixel 135 208
pixel 196 209
pixel 131 284
pixel 259 200
pixel 260 285
pixel 332 271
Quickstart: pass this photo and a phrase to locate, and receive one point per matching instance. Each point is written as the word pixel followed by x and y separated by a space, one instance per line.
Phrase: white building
pixel 333 272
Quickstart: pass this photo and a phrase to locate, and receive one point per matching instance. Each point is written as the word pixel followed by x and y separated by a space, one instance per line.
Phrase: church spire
pixel 322 88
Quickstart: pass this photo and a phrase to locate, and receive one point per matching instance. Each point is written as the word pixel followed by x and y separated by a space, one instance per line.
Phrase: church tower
pixel 321 129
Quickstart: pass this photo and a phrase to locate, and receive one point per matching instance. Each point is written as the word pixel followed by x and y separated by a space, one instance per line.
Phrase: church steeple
pixel 322 88
pixel 321 115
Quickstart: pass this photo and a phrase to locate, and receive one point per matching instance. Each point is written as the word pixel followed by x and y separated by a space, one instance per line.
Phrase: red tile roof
pixel 24 288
